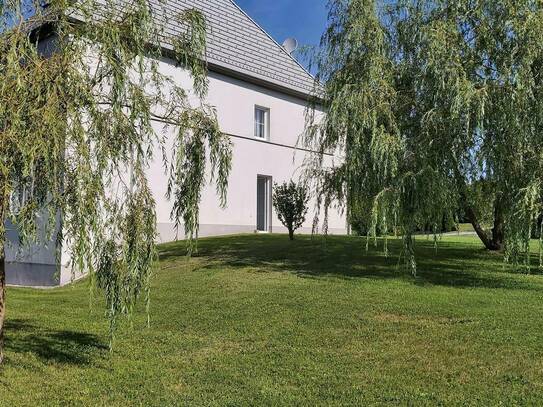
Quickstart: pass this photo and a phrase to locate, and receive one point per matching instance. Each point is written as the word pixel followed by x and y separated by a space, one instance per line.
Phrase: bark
pixel 2 300
pixel 2 282
pixel 492 241
pixel 291 234
pixel 498 230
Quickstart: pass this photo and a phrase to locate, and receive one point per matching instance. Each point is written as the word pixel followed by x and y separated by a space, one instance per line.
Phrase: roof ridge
pixel 273 39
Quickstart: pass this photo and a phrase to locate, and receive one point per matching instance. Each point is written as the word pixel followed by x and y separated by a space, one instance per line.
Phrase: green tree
pixel 424 99
pixel 290 203
pixel 77 132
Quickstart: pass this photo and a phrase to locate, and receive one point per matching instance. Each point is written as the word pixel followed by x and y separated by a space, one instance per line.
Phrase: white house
pixel 260 93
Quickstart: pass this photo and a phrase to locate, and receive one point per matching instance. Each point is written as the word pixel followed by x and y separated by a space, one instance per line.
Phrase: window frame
pixel 267 206
pixel 265 124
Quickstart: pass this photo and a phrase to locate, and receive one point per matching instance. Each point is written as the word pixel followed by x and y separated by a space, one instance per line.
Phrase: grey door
pixel 263 204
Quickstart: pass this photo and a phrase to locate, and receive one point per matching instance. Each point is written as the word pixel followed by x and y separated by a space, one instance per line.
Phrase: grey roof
pixel 239 46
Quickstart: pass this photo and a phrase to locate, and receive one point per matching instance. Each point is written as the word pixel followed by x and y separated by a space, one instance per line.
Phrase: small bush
pixel 290 203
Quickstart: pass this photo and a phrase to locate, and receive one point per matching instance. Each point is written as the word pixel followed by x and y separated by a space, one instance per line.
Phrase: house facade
pixel 260 93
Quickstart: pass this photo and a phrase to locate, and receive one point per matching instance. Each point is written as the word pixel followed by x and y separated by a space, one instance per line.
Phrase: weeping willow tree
pixel 427 100
pixel 81 98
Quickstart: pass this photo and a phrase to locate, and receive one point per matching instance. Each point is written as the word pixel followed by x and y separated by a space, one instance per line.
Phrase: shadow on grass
pixel 452 264
pixel 54 346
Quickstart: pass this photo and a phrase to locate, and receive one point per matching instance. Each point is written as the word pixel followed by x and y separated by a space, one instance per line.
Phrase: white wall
pixel 278 158
pixel 235 101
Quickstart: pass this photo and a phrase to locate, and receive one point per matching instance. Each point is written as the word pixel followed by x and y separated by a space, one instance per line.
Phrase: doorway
pixel 263 203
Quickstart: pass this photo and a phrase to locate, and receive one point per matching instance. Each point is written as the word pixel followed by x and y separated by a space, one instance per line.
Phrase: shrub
pixel 290 203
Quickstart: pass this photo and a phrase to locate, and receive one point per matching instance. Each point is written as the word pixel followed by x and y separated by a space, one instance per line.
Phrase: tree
pixel 77 133
pixel 425 100
pixel 290 203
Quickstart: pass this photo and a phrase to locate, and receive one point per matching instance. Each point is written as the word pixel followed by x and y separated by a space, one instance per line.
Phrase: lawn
pixel 465 228
pixel 260 320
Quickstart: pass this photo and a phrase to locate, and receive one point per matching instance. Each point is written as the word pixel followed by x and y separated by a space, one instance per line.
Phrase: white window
pixel 262 123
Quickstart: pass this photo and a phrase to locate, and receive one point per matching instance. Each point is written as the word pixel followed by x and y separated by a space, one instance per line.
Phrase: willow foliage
pixel 83 112
pixel 428 101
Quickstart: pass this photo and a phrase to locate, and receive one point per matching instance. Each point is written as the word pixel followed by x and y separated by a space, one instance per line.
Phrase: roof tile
pixel 237 43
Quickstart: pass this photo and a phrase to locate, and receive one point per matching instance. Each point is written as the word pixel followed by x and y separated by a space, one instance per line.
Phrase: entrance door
pixel 263 203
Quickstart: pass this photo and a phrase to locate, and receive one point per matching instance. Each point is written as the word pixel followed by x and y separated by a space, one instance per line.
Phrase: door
pixel 263 203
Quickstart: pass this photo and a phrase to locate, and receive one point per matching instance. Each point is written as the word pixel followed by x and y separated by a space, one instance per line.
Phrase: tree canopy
pixel 82 112
pixel 290 203
pixel 428 100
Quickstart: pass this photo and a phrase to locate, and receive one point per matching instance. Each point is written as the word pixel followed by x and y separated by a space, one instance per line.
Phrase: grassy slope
pixel 258 320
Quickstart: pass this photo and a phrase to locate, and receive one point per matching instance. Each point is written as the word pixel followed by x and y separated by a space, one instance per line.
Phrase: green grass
pixel 465 227
pixel 259 320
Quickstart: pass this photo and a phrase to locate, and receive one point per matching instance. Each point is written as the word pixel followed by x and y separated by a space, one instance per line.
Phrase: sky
pixel 304 20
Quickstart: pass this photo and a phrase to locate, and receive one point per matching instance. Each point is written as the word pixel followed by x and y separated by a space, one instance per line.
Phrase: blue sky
pixel 304 20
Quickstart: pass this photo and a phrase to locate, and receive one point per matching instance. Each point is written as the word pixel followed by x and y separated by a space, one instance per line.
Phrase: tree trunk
pixel 494 241
pixel 2 300
pixel 291 234
pixel 2 271
pixel 498 230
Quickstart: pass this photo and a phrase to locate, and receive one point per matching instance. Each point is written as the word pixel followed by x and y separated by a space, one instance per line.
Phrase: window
pixel 21 197
pixel 262 123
